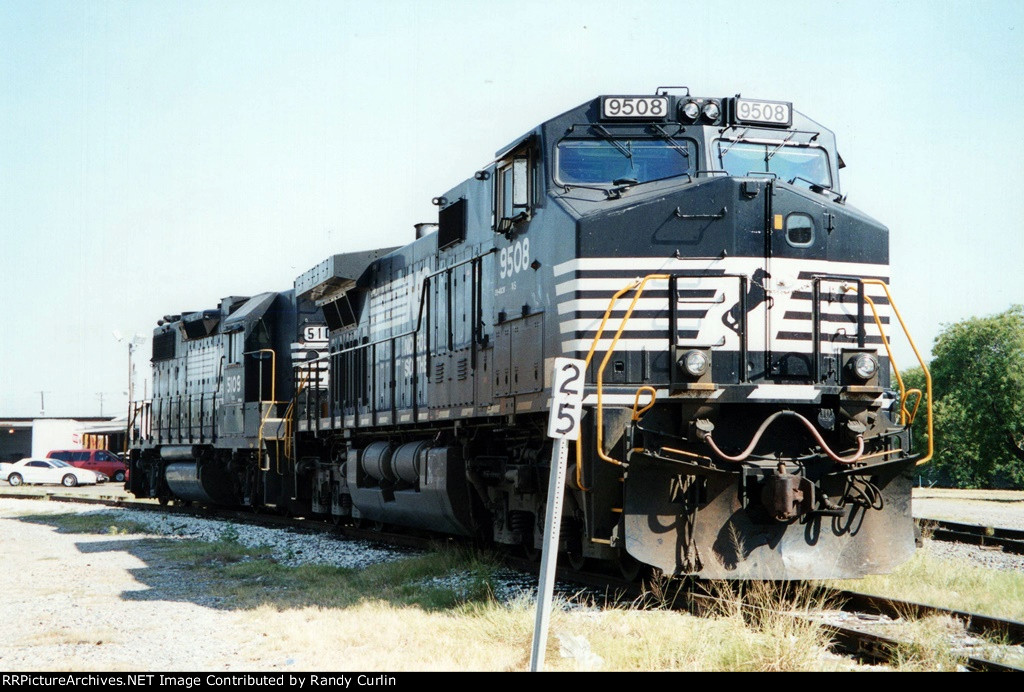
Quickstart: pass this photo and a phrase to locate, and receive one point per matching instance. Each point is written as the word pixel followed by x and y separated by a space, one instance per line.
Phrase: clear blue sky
pixel 156 156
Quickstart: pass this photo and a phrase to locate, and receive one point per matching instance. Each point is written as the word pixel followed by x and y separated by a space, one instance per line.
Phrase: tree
pixel 978 385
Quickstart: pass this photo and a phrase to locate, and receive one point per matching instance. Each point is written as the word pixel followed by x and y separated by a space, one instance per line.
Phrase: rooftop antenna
pixel 663 90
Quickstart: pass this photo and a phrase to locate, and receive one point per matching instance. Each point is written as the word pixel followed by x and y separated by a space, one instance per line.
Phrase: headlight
pixel 690 111
pixel 711 111
pixel 695 363
pixel 865 366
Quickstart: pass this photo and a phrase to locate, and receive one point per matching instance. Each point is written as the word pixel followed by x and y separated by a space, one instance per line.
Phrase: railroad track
pixel 674 594
pixel 875 646
pixel 1009 540
pixel 862 644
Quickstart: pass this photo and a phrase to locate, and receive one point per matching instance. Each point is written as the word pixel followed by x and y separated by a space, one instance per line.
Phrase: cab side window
pixel 514 185
pixel 235 345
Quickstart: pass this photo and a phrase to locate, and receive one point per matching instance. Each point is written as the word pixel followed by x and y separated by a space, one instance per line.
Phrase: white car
pixel 34 470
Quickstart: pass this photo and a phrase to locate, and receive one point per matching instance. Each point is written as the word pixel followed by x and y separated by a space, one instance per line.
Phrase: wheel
pixel 119 477
pixel 530 553
pixel 630 568
pixel 69 481
pixel 15 479
pixel 576 561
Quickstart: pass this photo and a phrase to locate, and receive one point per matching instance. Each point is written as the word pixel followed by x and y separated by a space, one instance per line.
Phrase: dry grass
pixel 71 636
pixel 482 634
pixel 928 644
pixel 381 636
pixel 788 639
pixel 377 635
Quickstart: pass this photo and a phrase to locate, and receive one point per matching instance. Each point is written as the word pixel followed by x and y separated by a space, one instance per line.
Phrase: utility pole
pixel 42 403
pixel 133 343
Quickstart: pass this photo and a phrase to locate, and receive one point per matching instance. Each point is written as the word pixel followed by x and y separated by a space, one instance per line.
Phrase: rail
pixel 424 305
pixel 139 426
pixel 905 417
pixel 301 385
pixel 266 406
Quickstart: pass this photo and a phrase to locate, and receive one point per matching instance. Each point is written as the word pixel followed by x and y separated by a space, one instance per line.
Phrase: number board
pixel 566 399
pixel 634 107
pixel 314 334
pixel 764 112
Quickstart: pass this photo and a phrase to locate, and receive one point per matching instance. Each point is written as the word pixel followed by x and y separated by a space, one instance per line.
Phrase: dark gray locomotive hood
pixel 244 318
pixel 725 217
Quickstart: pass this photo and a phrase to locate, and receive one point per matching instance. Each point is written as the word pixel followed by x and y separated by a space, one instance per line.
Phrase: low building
pixel 22 437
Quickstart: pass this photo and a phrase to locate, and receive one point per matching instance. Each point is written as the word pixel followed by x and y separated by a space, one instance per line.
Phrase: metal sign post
pixel 563 425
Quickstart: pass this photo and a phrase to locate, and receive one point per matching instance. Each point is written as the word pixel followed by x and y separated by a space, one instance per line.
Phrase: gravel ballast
pixel 1003 509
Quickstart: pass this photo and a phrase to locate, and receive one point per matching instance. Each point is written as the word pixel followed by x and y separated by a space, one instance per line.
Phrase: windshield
pixel 787 162
pixel 58 463
pixel 589 161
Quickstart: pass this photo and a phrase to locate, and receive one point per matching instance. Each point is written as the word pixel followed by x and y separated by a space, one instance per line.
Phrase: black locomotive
pixel 697 253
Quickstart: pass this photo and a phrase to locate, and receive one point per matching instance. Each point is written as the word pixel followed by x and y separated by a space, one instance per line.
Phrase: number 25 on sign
pixel 566 399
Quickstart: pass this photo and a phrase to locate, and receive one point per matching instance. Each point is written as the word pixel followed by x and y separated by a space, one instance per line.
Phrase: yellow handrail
pixel 892 360
pixel 904 393
pixel 289 414
pixel 638 285
pixel 911 415
pixel 636 401
pixel 264 415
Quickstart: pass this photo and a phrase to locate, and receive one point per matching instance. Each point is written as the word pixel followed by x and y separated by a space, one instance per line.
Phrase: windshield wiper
pixel 611 140
pixel 820 188
pixel 791 134
pixel 723 152
pixel 608 193
pixel 815 187
pixel 670 139
pixel 775 151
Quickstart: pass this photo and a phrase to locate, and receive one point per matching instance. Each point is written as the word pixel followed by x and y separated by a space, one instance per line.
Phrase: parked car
pixel 34 470
pixel 100 460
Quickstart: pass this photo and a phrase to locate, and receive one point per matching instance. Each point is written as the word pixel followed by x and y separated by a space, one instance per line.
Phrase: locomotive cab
pixel 770 428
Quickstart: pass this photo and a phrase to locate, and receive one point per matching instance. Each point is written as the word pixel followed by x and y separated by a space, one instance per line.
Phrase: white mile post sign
pixel 563 425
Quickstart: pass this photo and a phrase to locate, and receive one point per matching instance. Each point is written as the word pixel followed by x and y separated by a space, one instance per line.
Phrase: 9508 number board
pixel 634 107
